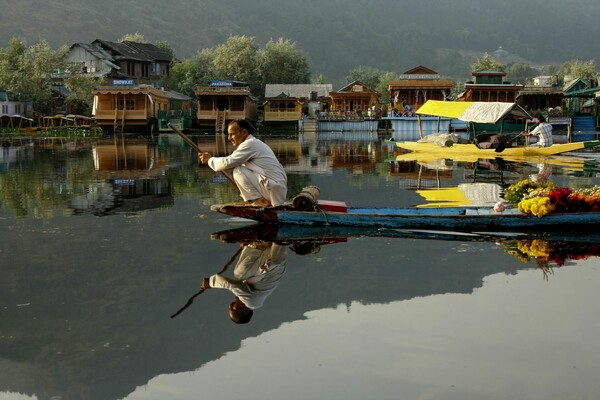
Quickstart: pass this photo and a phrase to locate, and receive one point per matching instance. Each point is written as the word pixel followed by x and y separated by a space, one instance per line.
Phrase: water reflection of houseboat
pixel 133 179
pixel 224 101
pixel 135 155
pixel 129 108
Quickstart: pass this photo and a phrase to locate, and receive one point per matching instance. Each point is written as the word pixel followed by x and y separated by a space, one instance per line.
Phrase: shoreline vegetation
pixel 62 132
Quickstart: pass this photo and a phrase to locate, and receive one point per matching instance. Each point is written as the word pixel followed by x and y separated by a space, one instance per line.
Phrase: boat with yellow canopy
pixel 481 112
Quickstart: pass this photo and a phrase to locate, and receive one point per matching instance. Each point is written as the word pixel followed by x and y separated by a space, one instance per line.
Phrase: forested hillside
pixel 336 35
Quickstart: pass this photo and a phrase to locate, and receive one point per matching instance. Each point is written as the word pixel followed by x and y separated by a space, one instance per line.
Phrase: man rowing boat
pixel 258 174
pixel 543 131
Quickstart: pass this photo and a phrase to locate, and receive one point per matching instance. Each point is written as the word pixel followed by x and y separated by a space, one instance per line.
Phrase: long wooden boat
pixel 447 218
pixel 472 149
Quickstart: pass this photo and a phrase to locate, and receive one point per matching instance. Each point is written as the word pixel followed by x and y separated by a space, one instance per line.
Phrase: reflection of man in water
pixel 259 269
pixel 544 173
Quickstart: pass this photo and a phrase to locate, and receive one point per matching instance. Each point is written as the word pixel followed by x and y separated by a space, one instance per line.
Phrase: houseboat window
pixel 291 106
pixel 127 104
pixel 237 104
pixel 145 69
pixel 17 109
pixel 205 103
pixel 130 68
pixel 4 109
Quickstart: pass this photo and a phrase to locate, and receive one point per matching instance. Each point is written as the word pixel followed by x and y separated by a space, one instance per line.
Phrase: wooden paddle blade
pixel 189 303
pixel 501 147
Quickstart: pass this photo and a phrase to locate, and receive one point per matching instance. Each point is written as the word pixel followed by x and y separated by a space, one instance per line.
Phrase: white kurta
pixel 256 171
pixel 256 274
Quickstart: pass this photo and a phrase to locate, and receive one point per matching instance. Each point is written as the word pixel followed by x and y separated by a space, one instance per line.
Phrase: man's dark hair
pixel 241 317
pixel 541 118
pixel 243 124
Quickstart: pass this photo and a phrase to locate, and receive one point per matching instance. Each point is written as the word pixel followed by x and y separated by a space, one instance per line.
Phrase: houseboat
pixel 407 94
pixel 282 110
pixel 222 102
pixel 353 108
pixel 295 104
pixel 126 107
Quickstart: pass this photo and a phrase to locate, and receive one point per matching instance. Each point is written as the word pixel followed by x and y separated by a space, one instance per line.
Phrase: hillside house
pixel 144 63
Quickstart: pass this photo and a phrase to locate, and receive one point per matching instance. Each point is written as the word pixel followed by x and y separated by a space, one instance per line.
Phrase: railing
pixel 283 115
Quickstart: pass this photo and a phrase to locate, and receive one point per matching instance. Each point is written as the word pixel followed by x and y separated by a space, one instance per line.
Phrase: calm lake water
pixel 100 244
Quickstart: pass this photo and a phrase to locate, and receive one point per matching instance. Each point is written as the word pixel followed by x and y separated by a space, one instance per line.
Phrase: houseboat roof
pixel 222 91
pixel 351 88
pixel 298 90
pixel 168 94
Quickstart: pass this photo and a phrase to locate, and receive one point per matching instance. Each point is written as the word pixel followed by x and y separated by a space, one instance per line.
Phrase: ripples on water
pixel 101 243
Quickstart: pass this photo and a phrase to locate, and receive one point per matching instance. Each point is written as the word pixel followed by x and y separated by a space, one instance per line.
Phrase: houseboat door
pixel 222 104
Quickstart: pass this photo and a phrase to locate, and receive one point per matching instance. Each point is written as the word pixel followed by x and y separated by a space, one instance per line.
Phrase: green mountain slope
pixel 337 35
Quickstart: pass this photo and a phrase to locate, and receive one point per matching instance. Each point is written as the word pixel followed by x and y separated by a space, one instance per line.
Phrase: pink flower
pixel 499 206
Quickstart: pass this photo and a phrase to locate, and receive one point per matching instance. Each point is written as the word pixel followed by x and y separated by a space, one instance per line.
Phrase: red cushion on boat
pixel 331 205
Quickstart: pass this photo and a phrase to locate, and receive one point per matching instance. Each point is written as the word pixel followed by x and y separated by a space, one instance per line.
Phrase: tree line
pixel 31 71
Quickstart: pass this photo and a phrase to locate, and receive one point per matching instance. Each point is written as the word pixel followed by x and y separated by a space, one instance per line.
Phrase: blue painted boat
pixel 328 213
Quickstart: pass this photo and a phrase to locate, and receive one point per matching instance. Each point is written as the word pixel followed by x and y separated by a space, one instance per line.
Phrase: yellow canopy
pixel 472 111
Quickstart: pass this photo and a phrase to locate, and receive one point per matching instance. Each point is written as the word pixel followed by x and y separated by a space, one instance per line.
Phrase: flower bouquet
pixel 540 199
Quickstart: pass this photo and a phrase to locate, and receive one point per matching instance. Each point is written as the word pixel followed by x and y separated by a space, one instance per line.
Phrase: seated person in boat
pixel 258 272
pixel 543 131
pixel 258 174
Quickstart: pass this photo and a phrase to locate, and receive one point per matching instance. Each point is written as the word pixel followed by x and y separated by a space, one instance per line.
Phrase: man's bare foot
pixel 262 202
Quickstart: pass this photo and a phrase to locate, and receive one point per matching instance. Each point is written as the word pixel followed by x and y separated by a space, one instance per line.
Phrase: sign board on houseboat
pixel 123 82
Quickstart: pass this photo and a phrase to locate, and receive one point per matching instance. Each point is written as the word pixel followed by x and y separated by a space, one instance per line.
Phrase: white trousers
pixel 253 186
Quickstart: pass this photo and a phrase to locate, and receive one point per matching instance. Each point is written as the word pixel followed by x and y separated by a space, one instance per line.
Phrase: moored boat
pixel 481 112
pixel 328 213
pixel 472 149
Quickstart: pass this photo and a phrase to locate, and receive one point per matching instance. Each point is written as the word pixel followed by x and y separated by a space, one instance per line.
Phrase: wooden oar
pixel 199 150
pixel 202 290
pixel 502 145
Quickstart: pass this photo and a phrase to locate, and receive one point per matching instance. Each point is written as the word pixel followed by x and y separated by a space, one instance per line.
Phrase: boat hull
pixel 451 218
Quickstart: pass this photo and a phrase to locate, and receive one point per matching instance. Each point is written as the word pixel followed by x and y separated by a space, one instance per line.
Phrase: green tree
pixel 132 37
pixel 383 86
pixel 165 46
pixel 575 69
pixel 193 72
pixel 30 71
pixel 81 86
pixel 521 73
pixel 486 63
pixel 374 78
pixel 369 75
pixel 282 62
pixel 236 59
pixel 10 65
